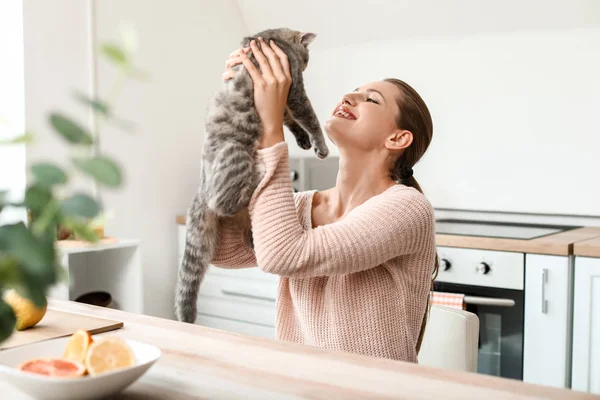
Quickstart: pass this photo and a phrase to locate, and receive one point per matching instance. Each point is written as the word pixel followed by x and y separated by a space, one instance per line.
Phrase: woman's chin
pixel 336 126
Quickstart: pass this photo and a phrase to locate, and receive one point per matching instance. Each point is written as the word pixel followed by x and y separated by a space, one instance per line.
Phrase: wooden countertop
pixel 200 362
pixel 560 244
pixel 588 248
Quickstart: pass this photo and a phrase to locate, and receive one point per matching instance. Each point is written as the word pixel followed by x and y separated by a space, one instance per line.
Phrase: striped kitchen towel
pixel 453 300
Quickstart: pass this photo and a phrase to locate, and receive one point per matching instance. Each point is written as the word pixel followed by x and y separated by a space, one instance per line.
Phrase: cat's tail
pixel 200 245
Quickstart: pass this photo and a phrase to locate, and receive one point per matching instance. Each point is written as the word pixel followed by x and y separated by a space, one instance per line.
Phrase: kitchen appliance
pixel 497 229
pixel 493 283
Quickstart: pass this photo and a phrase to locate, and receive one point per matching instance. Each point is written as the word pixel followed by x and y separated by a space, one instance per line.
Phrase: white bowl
pixel 86 387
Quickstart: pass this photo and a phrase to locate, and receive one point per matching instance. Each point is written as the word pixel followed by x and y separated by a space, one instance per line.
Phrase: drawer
pixel 467 266
pixel 238 299
pixel 236 326
pixel 249 274
pixel 253 273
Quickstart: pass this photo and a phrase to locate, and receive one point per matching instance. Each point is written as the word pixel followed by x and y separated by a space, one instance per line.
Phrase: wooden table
pixel 200 362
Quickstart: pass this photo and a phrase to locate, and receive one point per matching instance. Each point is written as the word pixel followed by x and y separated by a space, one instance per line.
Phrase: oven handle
pixel 489 301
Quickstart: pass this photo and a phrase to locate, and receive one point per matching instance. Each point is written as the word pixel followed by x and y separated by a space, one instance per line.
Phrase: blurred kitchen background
pixel 513 87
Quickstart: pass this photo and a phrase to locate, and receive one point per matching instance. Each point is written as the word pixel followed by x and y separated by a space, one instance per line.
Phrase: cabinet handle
pixel 241 293
pixel 544 281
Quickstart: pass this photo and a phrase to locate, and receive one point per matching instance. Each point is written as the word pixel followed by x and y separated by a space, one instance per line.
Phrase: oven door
pixel 500 313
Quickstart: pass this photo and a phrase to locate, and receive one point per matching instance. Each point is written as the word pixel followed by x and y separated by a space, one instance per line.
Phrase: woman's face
pixel 365 118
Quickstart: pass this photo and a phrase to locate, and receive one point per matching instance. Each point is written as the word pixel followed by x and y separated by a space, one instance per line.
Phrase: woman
pixel 356 260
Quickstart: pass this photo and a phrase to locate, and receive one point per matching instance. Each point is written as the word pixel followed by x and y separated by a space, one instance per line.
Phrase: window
pixel 12 105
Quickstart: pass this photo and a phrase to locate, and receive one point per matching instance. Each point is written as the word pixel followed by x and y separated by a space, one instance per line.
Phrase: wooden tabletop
pixel 200 362
pixel 560 244
pixel 588 248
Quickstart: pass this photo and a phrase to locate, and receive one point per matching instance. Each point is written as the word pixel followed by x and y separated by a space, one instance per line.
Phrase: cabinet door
pixel 546 348
pixel 586 326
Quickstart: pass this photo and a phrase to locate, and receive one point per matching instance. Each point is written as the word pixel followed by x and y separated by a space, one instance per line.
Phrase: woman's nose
pixel 348 100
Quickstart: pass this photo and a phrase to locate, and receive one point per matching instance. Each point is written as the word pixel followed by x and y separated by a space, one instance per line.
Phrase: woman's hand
pixel 271 87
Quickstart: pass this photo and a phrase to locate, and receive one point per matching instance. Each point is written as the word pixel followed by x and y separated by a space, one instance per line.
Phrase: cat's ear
pixel 307 38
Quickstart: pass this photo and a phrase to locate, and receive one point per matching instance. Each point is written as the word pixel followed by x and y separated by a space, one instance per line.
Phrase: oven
pixel 493 285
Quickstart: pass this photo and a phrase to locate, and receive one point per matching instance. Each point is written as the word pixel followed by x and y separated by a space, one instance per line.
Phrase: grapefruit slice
pixel 108 354
pixel 53 367
pixel 77 346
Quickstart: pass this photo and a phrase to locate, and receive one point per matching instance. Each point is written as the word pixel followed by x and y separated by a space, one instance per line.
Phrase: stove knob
pixel 445 264
pixel 483 268
pixel 294 175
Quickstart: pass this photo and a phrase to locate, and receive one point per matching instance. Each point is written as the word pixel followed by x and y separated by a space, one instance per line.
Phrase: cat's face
pixel 297 41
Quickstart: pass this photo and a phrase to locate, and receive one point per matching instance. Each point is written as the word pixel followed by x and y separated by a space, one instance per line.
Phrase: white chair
pixel 451 339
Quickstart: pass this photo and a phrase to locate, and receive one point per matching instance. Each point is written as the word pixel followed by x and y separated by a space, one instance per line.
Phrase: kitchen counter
pixel 200 362
pixel 560 244
pixel 588 248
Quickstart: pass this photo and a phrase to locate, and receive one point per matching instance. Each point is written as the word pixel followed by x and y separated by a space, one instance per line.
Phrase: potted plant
pixel 29 263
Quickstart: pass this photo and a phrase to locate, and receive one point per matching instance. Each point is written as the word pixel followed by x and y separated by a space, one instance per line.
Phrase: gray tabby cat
pixel 228 173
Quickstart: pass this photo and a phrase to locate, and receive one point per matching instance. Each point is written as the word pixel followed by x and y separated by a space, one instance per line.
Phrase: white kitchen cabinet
pixel 547 336
pixel 237 300
pixel 586 326
pixel 112 267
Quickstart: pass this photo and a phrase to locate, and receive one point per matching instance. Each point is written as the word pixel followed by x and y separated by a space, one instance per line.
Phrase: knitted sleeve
pixel 397 222
pixel 232 252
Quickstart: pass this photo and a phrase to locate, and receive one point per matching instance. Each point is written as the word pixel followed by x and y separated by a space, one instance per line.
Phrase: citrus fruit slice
pixel 27 313
pixel 77 346
pixel 108 354
pixel 53 367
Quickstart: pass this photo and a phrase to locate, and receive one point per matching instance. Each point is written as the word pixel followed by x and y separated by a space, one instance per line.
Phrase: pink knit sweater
pixel 359 284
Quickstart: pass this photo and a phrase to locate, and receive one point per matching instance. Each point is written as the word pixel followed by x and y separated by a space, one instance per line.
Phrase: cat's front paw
pixel 322 152
pixel 304 142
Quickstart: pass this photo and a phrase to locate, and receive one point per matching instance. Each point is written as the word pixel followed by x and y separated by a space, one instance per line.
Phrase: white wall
pixel 515 115
pixel 12 105
pixel 183 46
pixel 513 87
pixel 57 62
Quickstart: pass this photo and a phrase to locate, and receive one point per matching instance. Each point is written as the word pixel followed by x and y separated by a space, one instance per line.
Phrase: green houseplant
pixel 28 258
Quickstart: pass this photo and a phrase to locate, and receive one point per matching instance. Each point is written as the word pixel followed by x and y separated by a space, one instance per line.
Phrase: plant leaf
pixel 24 138
pixel 103 169
pixel 35 255
pixel 80 205
pixel 8 320
pixel 70 130
pixel 34 288
pixel 2 197
pixel 81 230
pixel 48 175
pixel 9 270
pixel 45 223
pixel 37 197
pixel 98 106
pixel 114 53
